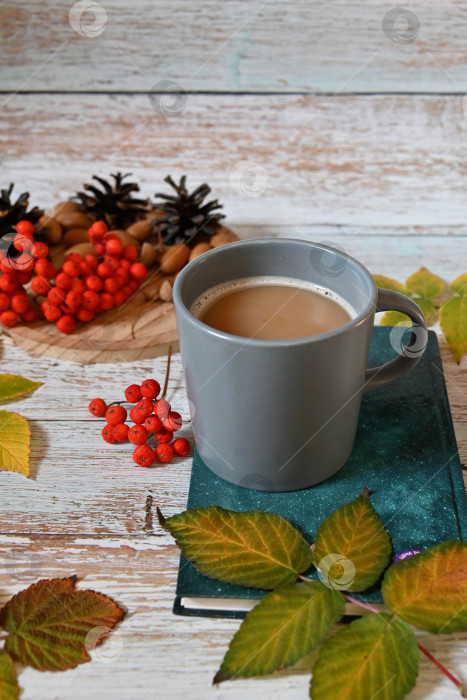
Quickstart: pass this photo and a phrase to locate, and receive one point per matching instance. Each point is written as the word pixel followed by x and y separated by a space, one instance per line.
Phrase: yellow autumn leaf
pixel 459 285
pixel 15 438
pixel 425 284
pixel 453 322
pixel 389 283
pixel 12 386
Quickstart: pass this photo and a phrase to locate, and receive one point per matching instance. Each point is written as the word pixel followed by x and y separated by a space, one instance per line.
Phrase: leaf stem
pixel 167 372
pixel 443 669
pixel 360 604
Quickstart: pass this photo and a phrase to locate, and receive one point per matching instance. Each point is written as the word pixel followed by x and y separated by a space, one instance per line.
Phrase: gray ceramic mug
pixel 281 415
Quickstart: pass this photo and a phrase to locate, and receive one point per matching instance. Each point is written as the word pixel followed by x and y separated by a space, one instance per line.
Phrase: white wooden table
pixel 357 140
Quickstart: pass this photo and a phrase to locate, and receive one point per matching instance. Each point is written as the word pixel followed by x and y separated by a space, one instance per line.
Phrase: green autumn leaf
pixel 12 386
pixel 453 322
pixel 352 548
pixel 429 590
pixel 15 438
pixel 425 284
pixel 49 623
pixel 9 689
pixel 389 283
pixel 459 285
pixel 286 625
pixel 376 656
pixel 256 549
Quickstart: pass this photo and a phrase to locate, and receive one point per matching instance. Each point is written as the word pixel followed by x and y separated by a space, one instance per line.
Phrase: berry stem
pixel 443 669
pixel 167 372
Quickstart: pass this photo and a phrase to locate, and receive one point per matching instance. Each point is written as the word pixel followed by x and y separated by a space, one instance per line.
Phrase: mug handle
pixel 409 354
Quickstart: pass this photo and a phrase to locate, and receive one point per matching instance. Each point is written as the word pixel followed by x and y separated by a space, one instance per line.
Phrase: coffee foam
pixel 207 298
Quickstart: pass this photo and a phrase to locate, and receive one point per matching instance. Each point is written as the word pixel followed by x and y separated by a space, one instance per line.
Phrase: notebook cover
pixel 405 452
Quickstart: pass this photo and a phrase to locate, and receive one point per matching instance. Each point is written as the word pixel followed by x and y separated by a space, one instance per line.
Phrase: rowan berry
pixel 150 388
pixel 119 298
pixel 181 447
pixel 163 436
pixel 29 315
pixel 125 264
pixel 23 276
pixel 68 310
pixel 25 227
pixel 90 299
pixel 133 393
pixel 133 285
pixel 136 416
pixel 84 269
pixel 84 315
pixel 99 249
pixel 91 260
pixel 106 301
pixel 51 311
pixel 114 246
pixel 7 267
pixel 19 303
pixel 66 324
pixel 173 421
pixel 120 432
pixel 73 299
pixel 40 285
pixel 8 284
pixel 144 407
pixel 144 455
pixel 98 229
pixel 111 285
pixel 70 267
pixel 9 318
pixel 138 271
pixel 112 262
pixel 56 296
pixel 162 409
pixel 98 407
pixel 108 435
pixel 164 453
pixel 138 434
pixel 75 257
pixel 104 270
pixel 115 414
pixel 23 262
pixel 130 253
pixel 94 283
pixel 78 285
pixel 5 302
pixel 40 250
pixel 63 280
pixel 22 243
pixel 153 424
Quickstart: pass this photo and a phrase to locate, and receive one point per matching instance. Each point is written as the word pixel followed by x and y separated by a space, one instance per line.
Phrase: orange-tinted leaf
pixel 429 590
pixel 352 548
pixel 48 623
pixel 12 386
pixel 453 322
pixel 15 438
pixel 9 689
pixel 256 549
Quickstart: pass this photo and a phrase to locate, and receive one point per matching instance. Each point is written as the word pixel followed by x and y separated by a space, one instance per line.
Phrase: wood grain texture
pixel 235 46
pixel 376 162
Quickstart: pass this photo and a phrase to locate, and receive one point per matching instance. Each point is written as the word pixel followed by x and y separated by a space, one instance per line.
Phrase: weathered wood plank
pixel 154 654
pixel 377 161
pixel 240 46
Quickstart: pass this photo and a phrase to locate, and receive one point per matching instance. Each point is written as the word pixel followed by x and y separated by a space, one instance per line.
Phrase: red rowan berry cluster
pixel 151 417
pixel 16 267
pixel 87 285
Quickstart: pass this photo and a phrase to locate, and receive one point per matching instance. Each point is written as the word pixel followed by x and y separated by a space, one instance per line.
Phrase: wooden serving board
pixel 142 328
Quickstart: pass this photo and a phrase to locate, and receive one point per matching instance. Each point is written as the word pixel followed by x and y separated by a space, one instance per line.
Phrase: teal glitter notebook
pixel 405 452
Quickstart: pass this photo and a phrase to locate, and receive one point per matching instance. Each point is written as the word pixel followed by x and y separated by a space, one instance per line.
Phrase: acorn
pixel 141 230
pixel 73 219
pixel 199 249
pixel 148 254
pixel 52 229
pixel 222 237
pixel 76 235
pixel 62 207
pixel 174 258
pixel 165 291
